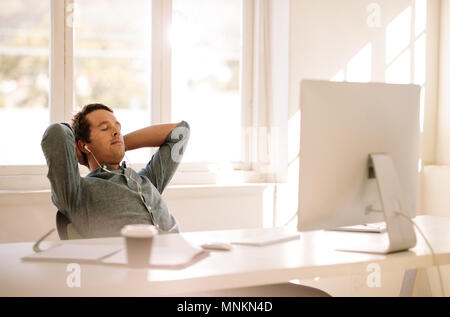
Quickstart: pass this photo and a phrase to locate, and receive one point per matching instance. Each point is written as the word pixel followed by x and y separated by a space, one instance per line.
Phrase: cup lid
pixel 139 231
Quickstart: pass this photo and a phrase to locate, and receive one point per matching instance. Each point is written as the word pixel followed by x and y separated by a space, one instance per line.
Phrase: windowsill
pixel 170 187
pixel 216 190
pixel 43 196
pixel 34 178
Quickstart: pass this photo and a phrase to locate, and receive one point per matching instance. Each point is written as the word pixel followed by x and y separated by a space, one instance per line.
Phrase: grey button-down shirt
pixel 100 204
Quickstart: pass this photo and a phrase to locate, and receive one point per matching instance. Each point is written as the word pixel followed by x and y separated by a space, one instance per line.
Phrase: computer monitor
pixel 343 126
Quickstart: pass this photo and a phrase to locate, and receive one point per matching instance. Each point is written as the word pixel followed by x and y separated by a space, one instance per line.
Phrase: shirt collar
pixel 108 167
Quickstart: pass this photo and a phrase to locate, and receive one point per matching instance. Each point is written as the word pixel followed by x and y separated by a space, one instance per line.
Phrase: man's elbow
pixel 184 129
pixel 56 130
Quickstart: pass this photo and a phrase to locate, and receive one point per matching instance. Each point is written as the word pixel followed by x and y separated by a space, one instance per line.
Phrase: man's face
pixel 106 137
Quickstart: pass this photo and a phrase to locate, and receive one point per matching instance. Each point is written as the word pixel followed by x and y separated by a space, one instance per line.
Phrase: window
pixel 24 80
pixel 152 61
pixel 206 63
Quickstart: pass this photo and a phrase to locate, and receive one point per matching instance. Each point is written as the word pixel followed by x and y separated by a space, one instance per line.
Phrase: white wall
pixel 339 40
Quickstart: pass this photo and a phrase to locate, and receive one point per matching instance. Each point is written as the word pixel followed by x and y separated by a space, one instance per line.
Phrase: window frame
pixel 32 177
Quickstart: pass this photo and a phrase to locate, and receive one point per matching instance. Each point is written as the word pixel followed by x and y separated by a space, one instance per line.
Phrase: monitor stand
pixel 400 234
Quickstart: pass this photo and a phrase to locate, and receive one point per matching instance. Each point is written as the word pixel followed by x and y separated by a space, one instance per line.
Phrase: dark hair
pixel 80 124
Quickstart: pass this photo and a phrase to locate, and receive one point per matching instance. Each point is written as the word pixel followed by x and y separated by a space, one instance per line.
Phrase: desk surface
pixel 313 255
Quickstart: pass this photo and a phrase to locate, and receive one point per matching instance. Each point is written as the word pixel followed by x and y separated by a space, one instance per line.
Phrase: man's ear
pixel 81 145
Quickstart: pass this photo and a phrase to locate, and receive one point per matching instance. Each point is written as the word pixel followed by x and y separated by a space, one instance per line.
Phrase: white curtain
pixel 263 132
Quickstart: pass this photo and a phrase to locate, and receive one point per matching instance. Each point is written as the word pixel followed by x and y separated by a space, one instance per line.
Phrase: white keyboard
pixel 377 227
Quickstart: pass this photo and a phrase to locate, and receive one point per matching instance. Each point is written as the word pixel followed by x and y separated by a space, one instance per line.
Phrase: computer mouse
pixel 217 246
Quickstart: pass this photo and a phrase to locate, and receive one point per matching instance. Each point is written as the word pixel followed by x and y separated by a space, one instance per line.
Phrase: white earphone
pixel 149 208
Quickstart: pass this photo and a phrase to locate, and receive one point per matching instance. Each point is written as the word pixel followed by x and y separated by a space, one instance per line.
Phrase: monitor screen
pixel 341 125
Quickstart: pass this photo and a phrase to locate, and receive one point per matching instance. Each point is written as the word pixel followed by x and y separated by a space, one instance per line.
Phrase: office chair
pixel 274 290
pixel 66 230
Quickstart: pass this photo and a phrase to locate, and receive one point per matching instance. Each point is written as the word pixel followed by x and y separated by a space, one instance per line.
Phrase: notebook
pixel 171 252
pixel 168 251
pixel 74 253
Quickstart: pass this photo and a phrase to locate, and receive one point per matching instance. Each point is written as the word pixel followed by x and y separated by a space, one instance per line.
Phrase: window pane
pixel 206 58
pixel 24 79
pixel 112 61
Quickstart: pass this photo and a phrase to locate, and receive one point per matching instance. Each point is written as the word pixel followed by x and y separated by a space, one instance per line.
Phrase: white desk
pixel 310 256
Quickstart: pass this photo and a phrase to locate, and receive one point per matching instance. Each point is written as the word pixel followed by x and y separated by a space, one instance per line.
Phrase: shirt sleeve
pixel 163 164
pixel 58 145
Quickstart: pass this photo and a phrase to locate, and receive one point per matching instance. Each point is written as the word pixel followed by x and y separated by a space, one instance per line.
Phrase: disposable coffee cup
pixel 138 242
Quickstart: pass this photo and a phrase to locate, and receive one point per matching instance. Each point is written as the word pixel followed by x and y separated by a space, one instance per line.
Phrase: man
pixel 109 197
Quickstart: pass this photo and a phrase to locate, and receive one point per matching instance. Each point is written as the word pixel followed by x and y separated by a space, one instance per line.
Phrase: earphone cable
pixel 149 208
pixel 435 262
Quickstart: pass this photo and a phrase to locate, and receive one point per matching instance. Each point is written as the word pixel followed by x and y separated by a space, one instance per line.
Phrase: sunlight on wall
pixel 340 76
pixel 406 51
pixel 398 35
pixel 399 72
pixel 420 16
pixel 398 55
pixel 419 60
pixel 359 68
pixel 405 57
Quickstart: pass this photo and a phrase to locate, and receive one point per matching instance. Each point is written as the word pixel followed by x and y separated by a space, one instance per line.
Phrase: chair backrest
pixel 66 230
